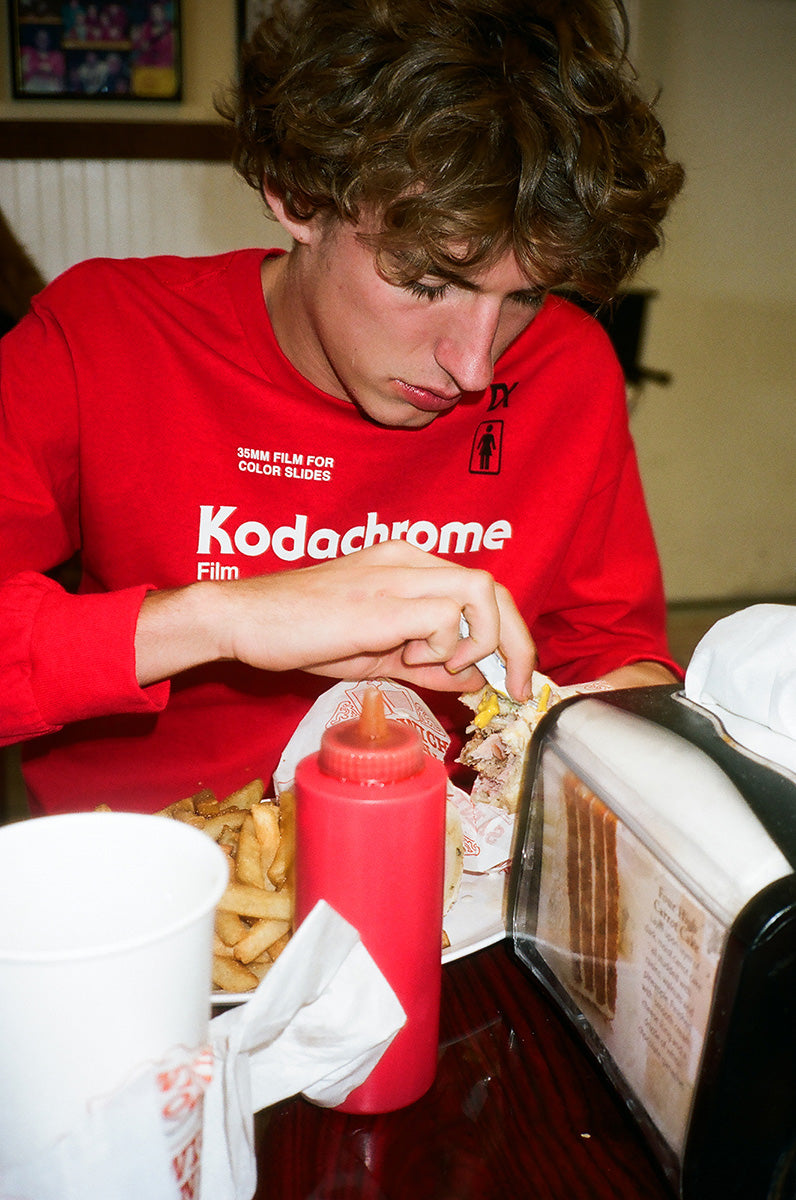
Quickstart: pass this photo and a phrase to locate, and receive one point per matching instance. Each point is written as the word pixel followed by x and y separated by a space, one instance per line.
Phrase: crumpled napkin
pixel 744 672
pixel 317 1024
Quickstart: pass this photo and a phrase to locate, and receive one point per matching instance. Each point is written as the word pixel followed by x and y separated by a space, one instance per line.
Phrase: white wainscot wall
pixel 67 210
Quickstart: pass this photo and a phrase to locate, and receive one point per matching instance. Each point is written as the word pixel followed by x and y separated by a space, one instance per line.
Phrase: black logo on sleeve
pixel 487 449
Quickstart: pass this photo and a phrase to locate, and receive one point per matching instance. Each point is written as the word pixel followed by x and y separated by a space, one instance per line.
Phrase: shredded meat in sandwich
pixel 499 735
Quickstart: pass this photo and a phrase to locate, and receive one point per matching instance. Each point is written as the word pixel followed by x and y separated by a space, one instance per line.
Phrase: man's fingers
pixel 516 646
pixel 514 642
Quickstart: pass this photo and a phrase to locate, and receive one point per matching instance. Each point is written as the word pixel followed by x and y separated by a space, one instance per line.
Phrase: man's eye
pixel 428 291
pixel 532 300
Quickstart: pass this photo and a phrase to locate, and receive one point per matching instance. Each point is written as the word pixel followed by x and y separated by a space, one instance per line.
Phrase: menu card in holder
pixel 653 895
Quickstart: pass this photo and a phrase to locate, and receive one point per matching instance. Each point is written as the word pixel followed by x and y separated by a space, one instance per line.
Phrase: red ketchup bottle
pixel 370 840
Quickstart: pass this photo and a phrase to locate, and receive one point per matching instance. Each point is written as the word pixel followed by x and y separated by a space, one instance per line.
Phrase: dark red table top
pixel 518 1109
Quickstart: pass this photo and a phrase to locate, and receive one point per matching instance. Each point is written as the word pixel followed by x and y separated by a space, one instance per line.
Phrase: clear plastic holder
pixel 652 894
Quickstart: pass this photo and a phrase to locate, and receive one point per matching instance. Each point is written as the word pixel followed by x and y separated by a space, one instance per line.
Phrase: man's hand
pixel 390 610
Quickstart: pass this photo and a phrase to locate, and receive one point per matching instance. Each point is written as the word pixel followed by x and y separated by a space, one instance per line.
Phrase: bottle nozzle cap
pixel 373 719
pixel 371 749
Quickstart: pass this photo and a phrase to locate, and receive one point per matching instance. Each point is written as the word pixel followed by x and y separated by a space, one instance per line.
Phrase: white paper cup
pixel 106 926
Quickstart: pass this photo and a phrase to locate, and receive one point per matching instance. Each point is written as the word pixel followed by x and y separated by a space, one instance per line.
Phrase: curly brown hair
pixel 469 127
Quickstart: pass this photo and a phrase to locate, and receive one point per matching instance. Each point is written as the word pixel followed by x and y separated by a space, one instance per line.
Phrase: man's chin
pixel 395 416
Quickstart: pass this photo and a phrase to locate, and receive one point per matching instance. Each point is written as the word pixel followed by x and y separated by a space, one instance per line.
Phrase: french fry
pixel 260 937
pixel 231 819
pixel 276 948
pixel 190 818
pixel 283 859
pixel 246 796
pixel 248 862
pixel 265 818
pixel 201 797
pixel 228 840
pixel 221 949
pixel 249 901
pixel 207 807
pixel 230 928
pixel 231 976
pixel 185 805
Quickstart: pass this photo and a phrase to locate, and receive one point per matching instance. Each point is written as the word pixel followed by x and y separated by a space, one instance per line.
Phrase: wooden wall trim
pixel 208 141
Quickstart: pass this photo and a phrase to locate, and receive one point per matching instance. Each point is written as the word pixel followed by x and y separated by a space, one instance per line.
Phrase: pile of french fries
pixel 254 917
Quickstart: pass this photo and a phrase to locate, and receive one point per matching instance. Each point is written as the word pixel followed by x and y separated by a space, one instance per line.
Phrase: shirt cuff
pixel 83 657
pixel 664 661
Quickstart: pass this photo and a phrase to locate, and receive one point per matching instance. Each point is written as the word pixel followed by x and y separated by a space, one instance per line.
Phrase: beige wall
pixel 718 446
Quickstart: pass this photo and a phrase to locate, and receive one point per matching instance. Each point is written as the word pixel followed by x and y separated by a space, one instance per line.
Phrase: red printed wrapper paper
pixel 487 830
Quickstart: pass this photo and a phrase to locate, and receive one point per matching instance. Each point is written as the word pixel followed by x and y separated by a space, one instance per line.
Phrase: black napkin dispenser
pixel 652 893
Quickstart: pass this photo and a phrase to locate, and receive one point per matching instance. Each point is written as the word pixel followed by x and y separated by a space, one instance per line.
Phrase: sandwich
pixel 498 738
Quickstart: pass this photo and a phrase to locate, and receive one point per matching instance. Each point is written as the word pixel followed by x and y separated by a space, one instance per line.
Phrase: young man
pixel 281 469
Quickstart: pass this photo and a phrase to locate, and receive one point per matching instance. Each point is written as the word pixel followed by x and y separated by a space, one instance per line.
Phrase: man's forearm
pixel 176 630
pixel 640 674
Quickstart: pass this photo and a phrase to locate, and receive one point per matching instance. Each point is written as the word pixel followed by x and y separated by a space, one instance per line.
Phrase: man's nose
pixel 466 349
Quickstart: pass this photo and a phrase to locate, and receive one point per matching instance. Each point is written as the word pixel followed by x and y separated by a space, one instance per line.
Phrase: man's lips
pixel 426 399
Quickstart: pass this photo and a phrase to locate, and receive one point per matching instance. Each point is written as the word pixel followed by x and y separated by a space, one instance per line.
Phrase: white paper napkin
pixel 744 672
pixel 317 1024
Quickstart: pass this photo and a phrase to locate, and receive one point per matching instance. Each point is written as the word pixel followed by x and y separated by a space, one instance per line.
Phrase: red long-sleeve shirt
pixel 150 421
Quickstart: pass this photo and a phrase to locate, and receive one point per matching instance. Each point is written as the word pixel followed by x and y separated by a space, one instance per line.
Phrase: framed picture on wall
pixel 74 50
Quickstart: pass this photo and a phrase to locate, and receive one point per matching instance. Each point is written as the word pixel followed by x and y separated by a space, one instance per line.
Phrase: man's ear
pixel 300 231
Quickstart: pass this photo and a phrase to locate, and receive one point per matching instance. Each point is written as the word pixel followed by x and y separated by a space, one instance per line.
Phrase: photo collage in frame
pixel 102 51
